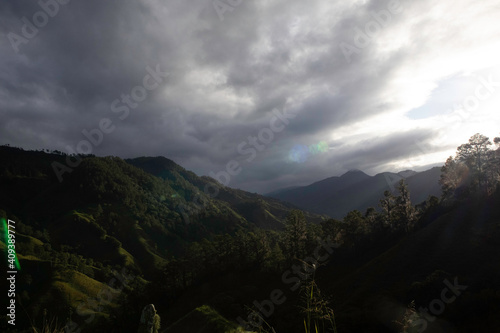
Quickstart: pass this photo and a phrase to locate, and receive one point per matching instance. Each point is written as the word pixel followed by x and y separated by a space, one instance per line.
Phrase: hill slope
pixel 460 244
pixel 336 196
pixel 161 202
pixel 264 212
pixel 109 214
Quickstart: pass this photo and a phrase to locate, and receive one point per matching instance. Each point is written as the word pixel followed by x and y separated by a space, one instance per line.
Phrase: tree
pixel 404 210
pixel 453 175
pixel 357 230
pixel 296 233
pixel 427 209
pixel 332 229
pixel 371 215
pixel 356 223
pixel 388 203
pixel 276 259
pixel 260 247
pixel 493 166
pixel 475 168
pixel 474 155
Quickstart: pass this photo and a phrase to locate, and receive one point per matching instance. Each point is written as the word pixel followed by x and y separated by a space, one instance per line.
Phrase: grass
pixel 48 326
pixel 78 288
pixel 154 259
pixel 319 317
pixel 317 310
pixel 204 319
pixel 318 313
pixel 51 326
pixel 129 259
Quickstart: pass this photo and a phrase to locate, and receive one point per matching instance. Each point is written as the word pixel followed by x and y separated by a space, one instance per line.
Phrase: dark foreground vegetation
pixel 116 235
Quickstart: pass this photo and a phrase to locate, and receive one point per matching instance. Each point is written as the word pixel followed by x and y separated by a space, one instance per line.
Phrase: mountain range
pixel 168 204
pixel 204 258
pixel 355 190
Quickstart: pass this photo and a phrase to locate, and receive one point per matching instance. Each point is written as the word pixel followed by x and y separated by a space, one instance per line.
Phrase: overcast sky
pixel 372 85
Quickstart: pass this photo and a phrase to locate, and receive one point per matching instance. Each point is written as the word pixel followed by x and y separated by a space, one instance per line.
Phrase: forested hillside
pixel 116 235
pixel 355 190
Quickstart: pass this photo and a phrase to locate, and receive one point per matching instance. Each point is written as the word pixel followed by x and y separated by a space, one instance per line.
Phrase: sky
pixel 270 93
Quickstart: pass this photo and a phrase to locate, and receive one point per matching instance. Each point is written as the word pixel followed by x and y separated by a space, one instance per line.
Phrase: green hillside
pixel 108 215
pixel 116 235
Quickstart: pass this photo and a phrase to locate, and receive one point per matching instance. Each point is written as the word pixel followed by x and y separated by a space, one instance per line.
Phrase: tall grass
pixel 406 323
pixel 48 326
pixel 319 317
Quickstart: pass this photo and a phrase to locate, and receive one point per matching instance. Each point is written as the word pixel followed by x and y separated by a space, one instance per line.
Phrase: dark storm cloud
pixel 372 154
pixel 225 78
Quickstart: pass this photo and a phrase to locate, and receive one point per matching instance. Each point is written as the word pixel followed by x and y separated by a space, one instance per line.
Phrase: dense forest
pixel 116 235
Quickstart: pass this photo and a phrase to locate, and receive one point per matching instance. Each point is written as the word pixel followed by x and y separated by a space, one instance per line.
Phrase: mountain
pixel 450 256
pixel 281 190
pixel 153 196
pixel 355 190
pixel 116 235
pixel 109 214
pixel 261 211
pixel 453 246
pixel 407 173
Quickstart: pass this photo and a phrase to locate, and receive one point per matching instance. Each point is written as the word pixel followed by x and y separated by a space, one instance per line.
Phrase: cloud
pixel 226 77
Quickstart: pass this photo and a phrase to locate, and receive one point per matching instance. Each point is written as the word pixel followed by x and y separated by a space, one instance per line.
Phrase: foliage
pixel 475 169
pixel 318 313
pixel 296 233
pixel 109 214
pixel 404 210
pixel 49 326
pixel 406 323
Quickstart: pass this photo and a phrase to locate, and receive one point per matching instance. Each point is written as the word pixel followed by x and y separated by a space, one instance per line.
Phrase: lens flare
pixel 318 148
pixel 298 154
pixel 301 153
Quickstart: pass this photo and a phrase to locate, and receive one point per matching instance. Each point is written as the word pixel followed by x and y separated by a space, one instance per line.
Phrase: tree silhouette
pixel 295 233
pixel 474 155
pixel 453 175
pixel 405 212
pixel 388 203
pixel 475 168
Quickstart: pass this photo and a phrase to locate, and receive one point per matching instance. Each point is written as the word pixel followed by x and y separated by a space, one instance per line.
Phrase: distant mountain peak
pixel 407 173
pixel 354 172
pixel 336 196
